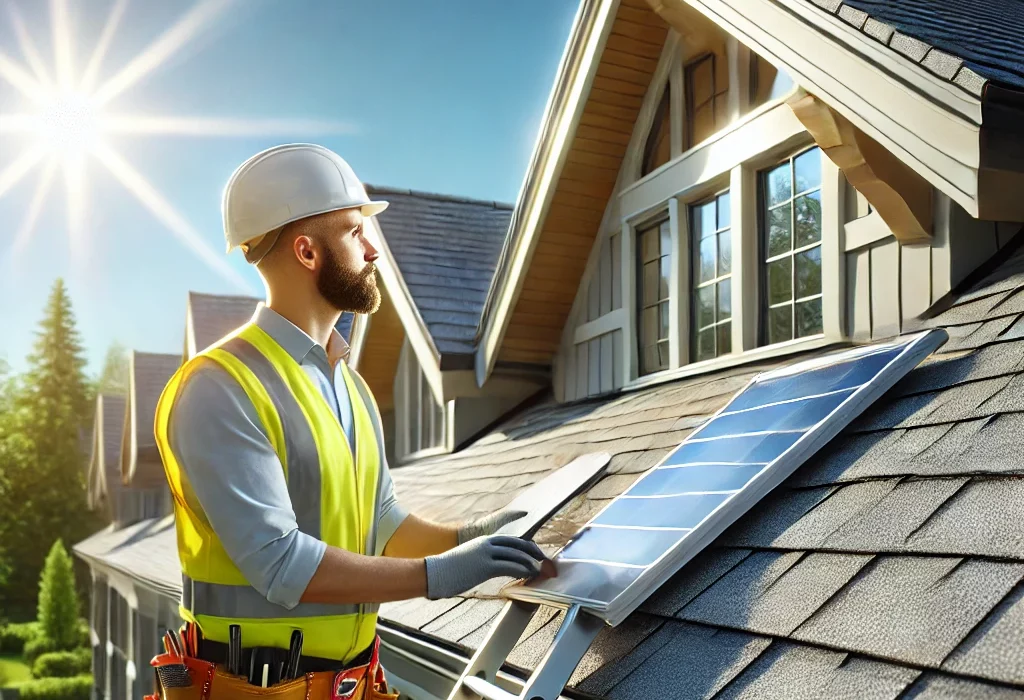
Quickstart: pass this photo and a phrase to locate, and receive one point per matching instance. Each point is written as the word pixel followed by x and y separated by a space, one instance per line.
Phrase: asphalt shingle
pixel 995 650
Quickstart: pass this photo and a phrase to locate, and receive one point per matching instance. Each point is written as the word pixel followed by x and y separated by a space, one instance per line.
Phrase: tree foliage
pixel 45 419
pixel 58 602
pixel 114 378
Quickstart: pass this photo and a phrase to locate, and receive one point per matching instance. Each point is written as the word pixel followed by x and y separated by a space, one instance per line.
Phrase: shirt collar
pixel 295 341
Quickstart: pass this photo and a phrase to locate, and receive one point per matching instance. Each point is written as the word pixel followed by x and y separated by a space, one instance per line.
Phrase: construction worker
pixel 287 520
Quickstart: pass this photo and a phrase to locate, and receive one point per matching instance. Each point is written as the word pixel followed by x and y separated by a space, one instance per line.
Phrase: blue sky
pixel 444 96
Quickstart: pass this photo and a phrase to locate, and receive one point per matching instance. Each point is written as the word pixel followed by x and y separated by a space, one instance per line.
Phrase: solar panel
pixel 768 429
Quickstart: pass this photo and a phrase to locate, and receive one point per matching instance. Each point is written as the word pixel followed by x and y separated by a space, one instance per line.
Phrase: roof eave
pixel 565 102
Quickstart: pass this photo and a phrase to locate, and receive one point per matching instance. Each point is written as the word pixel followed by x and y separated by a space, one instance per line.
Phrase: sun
pixel 67 123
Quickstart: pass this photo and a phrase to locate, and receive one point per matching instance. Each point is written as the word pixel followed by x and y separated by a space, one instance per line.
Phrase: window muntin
pixel 711 297
pixel 791 248
pixel 706 100
pixel 654 254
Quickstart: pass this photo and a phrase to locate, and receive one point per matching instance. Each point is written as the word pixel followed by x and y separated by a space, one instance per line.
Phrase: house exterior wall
pixel 421 422
pixel 871 286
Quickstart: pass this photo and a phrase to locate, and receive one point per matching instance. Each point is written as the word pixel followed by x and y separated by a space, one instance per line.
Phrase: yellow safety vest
pixel 336 498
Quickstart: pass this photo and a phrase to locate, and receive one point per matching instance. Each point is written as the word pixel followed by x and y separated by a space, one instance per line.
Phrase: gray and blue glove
pixel 481 559
pixel 488 525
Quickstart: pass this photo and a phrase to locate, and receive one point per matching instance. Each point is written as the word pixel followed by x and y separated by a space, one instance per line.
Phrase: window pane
pixel 808 219
pixel 724 338
pixel 664 273
pixel 808 273
pixel 779 186
pixel 705 344
pixel 780 324
pixel 724 215
pixel 808 317
pixel 665 231
pixel 724 252
pixel 702 124
pixel 650 284
pixel 705 306
pixel 808 170
pixel 663 355
pixel 650 325
pixel 663 318
pixel 708 224
pixel 707 259
pixel 649 244
pixel 650 359
pixel 780 281
pixel 657 149
pixel 701 75
pixel 724 299
pixel 779 238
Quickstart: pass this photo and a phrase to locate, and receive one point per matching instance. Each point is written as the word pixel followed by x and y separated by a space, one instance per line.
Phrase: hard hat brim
pixel 371 208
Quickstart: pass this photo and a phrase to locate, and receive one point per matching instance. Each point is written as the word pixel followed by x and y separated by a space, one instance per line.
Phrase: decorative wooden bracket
pixel 902 198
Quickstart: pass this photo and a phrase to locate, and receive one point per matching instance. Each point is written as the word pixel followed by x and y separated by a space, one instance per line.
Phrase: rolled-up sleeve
pixel 237 478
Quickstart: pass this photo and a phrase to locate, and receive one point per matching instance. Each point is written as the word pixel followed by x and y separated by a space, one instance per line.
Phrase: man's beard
pixel 347 290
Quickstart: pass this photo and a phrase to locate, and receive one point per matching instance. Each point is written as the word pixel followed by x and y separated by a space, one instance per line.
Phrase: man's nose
pixel 370 253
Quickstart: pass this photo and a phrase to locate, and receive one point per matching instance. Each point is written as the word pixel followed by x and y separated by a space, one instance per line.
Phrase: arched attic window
pixel 657 149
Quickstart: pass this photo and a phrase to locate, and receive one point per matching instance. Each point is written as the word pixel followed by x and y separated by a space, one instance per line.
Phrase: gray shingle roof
pixel 140 460
pixel 890 565
pixel 105 461
pixel 146 551
pixel 965 41
pixel 214 316
pixel 446 249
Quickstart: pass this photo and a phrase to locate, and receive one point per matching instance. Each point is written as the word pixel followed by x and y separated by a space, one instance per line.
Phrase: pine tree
pixel 42 456
pixel 58 602
pixel 114 378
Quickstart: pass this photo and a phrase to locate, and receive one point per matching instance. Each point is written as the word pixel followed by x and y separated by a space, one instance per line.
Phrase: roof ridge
pixel 437 196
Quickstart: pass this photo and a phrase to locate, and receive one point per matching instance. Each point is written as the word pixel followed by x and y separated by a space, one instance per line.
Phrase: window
pixel 657 150
pixel 706 100
pixel 711 319
pixel 791 248
pixel 767 82
pixel 654 251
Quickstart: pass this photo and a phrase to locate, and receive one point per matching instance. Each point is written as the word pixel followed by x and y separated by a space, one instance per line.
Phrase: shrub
pixel 84 640
pixel 76 688
pixel 58 600
pixel 62 664
pixel 36 647
pixel 15 635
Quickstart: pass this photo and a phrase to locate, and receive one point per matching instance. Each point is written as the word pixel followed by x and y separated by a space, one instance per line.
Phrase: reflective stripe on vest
pixel 335 496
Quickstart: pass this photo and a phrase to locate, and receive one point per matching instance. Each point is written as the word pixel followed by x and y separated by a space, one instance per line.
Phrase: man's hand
pixel 488 525
pixel 479 560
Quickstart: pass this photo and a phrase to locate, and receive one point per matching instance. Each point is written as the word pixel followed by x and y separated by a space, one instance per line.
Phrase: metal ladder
pixel 571 642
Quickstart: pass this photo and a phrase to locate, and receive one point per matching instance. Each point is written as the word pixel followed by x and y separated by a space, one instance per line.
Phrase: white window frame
pixel 410 389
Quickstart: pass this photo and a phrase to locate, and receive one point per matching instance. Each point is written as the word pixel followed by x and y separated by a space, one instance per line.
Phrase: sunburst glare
pixel 65 121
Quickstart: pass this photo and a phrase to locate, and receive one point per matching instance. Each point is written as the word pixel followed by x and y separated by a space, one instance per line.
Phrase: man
pixel 286 514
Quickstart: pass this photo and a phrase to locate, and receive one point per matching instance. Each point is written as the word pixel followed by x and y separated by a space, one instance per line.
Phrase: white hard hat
pixel 284 184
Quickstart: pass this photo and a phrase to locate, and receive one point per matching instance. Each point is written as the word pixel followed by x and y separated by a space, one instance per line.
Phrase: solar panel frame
pixel 912 349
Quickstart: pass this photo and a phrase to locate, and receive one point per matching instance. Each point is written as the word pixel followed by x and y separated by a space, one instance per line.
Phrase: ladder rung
pixel 487 690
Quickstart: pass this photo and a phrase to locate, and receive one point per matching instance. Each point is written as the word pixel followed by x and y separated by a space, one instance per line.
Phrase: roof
pixel 446 249
pixel 892 562
pixel 213 316
pixel 105 461
pixel 145 551
pixel 139 459
pixel 966 42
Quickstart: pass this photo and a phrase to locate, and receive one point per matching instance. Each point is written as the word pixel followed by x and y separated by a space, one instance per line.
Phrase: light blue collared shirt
pixel 219 442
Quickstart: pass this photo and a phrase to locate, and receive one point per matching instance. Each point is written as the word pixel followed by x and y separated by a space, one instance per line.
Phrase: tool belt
pixel 180 674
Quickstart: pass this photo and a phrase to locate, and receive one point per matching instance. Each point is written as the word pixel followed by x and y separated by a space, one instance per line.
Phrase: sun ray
pixel 212 126
pixel 18 123
pixel 135 183
pixel 62 48
pixel 35 207
pixel 28 47
pixel 14 172
pixel 187 28
pixel 92 70
pixel 20 79
pixel 74 179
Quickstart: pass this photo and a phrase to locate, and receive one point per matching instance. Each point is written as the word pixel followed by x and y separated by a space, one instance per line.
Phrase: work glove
pixel 488 525
pixel 481 559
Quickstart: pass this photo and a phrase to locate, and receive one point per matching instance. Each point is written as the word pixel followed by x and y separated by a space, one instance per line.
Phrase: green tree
pixel 42 455
pixel 114 378
pixel 58 602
